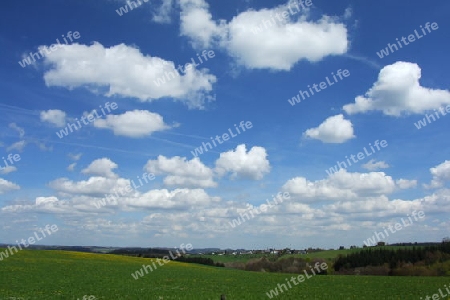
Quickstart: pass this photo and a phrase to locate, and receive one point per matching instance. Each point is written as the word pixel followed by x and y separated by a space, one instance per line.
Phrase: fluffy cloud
pixel 176 199
pixel 398 91
pixel 264 39
pixel 441 174
pixel 54 116
pixel 181 172
pixel 45 200
pixel 373 165
pixel 94 186
pixel 197 24
pixel 341 185
pixel 17 146
pixel 175 213
pixel 335 130
pixel 20 130
pixel 7 170
pixel 163 12
pixel 373 183
pixel 74 157
pixel 136 123
pixel 282 45
pixel 6 186
pixel 253 165
pixel 101 167
pixel 124 71
pixel 76 205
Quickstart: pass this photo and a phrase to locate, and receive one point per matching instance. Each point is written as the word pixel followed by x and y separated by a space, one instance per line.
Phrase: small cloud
pixel 242 164
pixel 54 116
pixel 20 130
pixel 74 157
pixel 101 167
pixel 182 172
pixel 7 170
pixel 162 14
pixel 7 186
pixel 134 124
pixel 45 200
pixel 334 130
pixel 43 147
pixel 374 165
pixel 71 167
pixel 348 13
pixel 441 174
pixel 17 146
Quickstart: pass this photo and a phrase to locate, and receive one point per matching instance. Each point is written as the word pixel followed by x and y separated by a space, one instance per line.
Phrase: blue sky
pixel 257 64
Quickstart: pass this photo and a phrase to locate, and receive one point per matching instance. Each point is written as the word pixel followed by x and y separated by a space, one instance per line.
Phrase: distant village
pixel 248 252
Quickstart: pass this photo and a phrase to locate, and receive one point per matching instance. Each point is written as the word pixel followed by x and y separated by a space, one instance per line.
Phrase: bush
pixel 199 260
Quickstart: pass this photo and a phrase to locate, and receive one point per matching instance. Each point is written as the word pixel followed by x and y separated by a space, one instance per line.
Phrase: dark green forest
pixel 418 261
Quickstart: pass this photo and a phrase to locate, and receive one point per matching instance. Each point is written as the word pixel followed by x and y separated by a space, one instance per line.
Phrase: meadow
pixel 39 274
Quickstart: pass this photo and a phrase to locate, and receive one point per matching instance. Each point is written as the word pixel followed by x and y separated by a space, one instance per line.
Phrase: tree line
pixel 427 261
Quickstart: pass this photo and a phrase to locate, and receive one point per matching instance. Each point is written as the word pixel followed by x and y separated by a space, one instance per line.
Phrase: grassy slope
pixel 70 275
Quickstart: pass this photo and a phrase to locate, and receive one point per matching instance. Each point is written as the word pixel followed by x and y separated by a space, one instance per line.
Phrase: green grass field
pixel 70 275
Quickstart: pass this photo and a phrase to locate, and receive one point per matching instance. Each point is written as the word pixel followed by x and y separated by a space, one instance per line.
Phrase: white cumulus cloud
pixel 124 71
pixel 181 172
pixel 94 186
pixel 441 174
pixel 341 185
pixel 398 91
pixel 6 186
pixel 263 39
pixel 135 124
pixel 373 165
pixel 101 167
pixel 242 164
pixel 334 130
pixel 7 170
pixel 176 199
pixel 54 116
